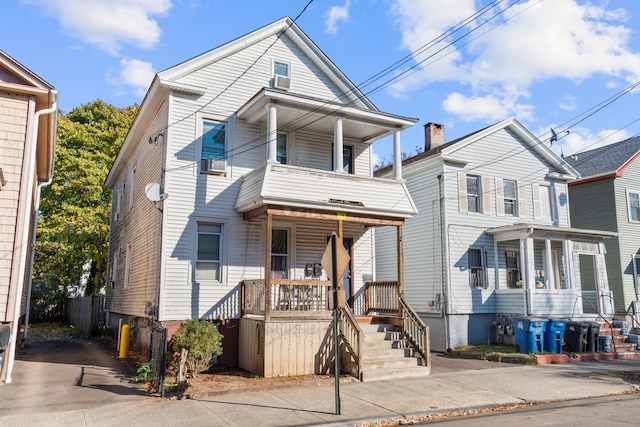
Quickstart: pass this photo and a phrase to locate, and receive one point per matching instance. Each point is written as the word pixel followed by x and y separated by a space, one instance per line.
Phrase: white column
pixel 338 162
pixel 397 156
pixel 549 271
pixel 531 274
pixel 272 133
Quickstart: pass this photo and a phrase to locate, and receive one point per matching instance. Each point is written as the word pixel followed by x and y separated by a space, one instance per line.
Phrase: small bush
pixel 202 341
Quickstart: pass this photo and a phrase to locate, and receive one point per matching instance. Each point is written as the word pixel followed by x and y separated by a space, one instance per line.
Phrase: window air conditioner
pixel 281 82
pixel 214 165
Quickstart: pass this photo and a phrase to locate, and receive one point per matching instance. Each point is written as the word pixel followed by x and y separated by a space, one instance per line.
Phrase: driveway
pixel 63 375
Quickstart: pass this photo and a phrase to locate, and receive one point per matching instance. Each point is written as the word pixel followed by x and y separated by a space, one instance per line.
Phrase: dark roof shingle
pixel 603 160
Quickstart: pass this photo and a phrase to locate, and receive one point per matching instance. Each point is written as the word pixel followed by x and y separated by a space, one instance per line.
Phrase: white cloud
pixel 109 24
pixel 134 75
pixel 336 14
pixel 537 40
pixel 567 103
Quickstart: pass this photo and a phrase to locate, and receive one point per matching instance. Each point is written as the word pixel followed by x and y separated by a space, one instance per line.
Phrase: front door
pixel 346 279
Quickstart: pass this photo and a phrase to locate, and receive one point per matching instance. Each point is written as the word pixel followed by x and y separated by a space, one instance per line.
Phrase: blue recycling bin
pixel 554 335
pixel 529 332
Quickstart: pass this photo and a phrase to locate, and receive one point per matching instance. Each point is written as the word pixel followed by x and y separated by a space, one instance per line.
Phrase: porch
pixel 287 329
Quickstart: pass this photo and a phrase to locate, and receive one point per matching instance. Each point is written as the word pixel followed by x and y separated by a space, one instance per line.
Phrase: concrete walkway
pixel 455 384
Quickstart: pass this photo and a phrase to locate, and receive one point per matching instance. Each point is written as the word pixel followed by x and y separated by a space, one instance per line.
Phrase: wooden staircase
pixel 386 354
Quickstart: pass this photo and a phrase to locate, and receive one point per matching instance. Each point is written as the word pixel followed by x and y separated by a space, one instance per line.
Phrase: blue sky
pixel 549 63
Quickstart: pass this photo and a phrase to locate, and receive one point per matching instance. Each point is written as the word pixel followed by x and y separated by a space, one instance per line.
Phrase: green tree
pixel 73 229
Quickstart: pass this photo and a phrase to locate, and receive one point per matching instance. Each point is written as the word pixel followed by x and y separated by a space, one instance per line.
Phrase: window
pixel 477 277
pixel 280 68
pixel 117 203
pixel 511 260
pixel 127 267
pixel 510 194
pixel 633 198
pixel 473 193
pixel 279 254
pixel 347 159
pixel 132 187
pixel 213 140
pixel 208 256
pixel 636 271
pixel 114 270
pixel 281 149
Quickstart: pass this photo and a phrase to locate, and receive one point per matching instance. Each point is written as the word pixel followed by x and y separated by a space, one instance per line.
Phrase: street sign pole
pixel 334 288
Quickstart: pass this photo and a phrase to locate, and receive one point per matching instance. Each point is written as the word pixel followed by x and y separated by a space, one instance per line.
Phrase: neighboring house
pixel 263 149
pixel 607 197
pixel 28 120
pixel 492 235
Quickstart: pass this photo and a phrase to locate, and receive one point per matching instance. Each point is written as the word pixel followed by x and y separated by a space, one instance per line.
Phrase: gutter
pixel 53 98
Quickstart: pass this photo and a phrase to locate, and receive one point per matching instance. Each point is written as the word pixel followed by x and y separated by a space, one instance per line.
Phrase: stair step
pixel 394 373
pixel 387 353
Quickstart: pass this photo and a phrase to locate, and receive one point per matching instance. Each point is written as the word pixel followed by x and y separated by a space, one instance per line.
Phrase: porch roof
pixel 523 230
pixel 297 111
pixel 275 184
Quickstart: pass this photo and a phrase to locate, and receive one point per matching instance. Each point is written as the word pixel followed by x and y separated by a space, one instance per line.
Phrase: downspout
pixel 41 185
pixel 444 277
pixel 25 238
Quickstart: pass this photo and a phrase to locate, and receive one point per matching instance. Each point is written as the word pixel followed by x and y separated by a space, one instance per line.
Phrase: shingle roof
pixel 605 160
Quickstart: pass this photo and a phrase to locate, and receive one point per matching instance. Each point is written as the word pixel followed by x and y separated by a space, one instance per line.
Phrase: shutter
pixel 535 189
pixel 462 192
pixel 485 188
pixel 499 197
pixel 522 200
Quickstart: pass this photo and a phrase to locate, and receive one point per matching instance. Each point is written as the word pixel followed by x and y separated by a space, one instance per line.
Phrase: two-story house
pixel 28 118
pixel 492 235
pixel 254 154
pixel 607 197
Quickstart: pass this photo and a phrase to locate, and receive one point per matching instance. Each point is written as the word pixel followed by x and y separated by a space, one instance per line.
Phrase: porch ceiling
pixel 316 115
pixel 520 231
pixel 322 191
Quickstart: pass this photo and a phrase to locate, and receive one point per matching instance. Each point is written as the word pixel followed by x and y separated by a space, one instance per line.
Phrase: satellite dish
pixel 154 192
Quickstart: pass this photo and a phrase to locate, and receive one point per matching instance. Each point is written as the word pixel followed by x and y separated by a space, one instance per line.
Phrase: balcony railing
pixel 381 297
pixel 287 298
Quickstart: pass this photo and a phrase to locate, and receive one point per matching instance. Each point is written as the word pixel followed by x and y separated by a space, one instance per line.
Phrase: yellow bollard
pixel 124 341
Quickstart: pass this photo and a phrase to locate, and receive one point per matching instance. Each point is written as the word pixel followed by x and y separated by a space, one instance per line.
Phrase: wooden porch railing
pixel 288 298
pixel 381 297
pixel 416 331
pixel 351 335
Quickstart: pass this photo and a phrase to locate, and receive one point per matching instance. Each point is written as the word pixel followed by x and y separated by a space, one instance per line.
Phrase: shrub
pixel 202 341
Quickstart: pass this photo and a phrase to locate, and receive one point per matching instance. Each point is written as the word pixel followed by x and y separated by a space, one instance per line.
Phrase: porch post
pixel 272 133
pixel 397 156
pixel 267 268
pixel 338 162
pixel 400 270
pixel 530 283
pixel 567 264
pixel 548 273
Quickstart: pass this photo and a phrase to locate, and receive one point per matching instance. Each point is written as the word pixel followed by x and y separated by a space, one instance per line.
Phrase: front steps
pixel 620 345
pixel 386 355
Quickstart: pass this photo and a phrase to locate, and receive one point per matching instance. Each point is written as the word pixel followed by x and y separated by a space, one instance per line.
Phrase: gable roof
pixel 447 150
pixel 607 161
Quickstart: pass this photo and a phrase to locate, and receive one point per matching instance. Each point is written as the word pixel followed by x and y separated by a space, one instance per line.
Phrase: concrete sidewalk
pixel 454 385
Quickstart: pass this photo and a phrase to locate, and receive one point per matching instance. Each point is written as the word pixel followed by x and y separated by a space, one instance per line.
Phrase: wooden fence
pixel 85 314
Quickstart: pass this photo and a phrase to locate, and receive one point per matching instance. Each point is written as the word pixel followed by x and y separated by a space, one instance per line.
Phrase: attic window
pixel 280 68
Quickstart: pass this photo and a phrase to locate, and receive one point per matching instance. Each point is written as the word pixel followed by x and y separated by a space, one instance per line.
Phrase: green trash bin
pixel 592 337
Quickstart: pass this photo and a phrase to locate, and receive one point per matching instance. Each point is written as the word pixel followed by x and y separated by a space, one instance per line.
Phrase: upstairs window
pixel 281 149
pixel 476 261
pixel 510 194
pixel 347 159
pixel 281 68
pixel 213 140
pixel 208 256
pixel 633 198
pixel 473 193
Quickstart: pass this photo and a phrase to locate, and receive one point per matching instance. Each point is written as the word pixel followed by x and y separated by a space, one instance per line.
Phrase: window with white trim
pixel 281 68
pixel 209 253
pixel 512 267
pixel 476 263
pixel 127 267
pixel 510 197
pixel 633 203
pixel 281 148
pixel 213 140
pixel 347 159
pixel 473 193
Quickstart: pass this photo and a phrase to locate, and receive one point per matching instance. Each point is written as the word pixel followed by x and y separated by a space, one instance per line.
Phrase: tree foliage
pixel 73 229
pixel 202 341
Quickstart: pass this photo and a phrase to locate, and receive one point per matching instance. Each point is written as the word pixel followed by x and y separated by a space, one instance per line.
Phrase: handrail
pixel 351 335
pixel 381 297
pixel 416 332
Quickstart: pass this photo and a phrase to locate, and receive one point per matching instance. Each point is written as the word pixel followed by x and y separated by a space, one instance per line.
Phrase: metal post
pixel 334 287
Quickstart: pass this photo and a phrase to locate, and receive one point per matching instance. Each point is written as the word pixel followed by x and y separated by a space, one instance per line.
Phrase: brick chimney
pixel 433 136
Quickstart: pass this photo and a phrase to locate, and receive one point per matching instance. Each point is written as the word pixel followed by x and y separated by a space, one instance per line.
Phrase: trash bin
pixel 622 325
pixel 592 337
pixel 5 337
pixel 554 335
pixel 605 343
pixel 575 337
pixel 529 332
